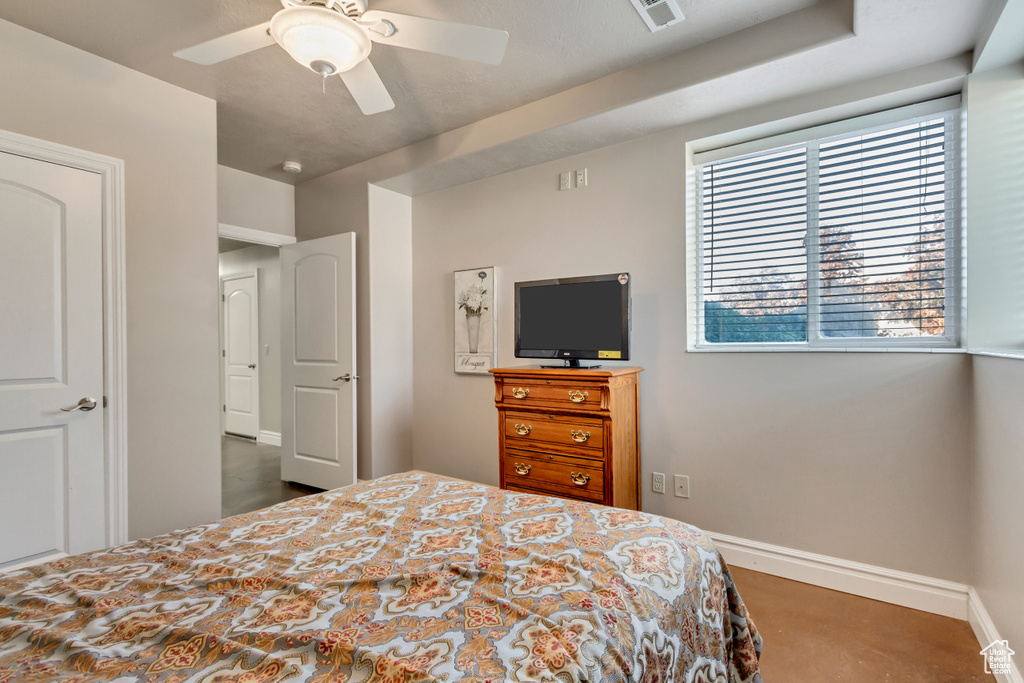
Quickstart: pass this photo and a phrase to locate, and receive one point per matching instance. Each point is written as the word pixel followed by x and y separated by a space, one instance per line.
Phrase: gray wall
pixel 862 456
pixel 249 201
pixel 996 268
pixel 267 261
pixel 167 138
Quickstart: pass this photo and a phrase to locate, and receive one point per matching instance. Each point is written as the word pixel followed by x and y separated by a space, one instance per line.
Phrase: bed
pixel 411 577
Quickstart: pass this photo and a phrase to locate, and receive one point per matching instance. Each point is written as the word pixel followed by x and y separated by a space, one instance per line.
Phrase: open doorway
pixel 251 378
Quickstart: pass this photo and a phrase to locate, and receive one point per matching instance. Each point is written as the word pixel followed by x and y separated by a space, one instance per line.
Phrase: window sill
pixel 736 348
pixel 1016 354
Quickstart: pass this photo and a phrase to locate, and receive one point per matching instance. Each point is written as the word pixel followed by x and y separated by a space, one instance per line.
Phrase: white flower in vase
pixel 472 301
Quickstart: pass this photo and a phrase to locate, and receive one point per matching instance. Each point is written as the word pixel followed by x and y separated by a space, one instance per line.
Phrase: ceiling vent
pixel 658 14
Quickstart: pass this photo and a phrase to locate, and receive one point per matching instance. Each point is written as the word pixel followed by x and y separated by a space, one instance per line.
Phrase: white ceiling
pixel 271 109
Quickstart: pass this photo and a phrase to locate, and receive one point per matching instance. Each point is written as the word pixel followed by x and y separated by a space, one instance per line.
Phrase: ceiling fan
pixel 335 36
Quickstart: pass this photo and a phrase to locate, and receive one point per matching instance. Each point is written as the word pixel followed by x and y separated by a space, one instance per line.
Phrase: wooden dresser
pixel 570 433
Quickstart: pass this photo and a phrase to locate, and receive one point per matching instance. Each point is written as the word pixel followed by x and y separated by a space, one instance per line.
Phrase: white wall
pixel 391 405
pixel 857 455
pixel 997 532
pixel 995 206
pixel 996 319
pixel 249 201
pixel 167 138
pixel 265 260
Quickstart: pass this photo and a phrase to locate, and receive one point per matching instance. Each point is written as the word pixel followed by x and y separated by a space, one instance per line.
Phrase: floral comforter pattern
pixel 412 577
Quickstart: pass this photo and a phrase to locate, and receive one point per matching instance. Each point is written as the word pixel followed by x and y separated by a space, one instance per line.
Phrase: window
pixel 840 241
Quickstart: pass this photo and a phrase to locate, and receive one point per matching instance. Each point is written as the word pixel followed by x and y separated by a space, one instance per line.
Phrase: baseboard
pixel 878 583
pixel 269 438
pixel 38 559
pixel 986 632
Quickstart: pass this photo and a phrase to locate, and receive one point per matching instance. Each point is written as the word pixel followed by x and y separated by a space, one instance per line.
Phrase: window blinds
pixel 881 207
pixel 754 246
pixel 843 238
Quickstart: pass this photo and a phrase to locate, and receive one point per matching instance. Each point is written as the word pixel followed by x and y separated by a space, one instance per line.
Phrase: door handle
pixel 85 405
pixel 252 366
pixel 347 377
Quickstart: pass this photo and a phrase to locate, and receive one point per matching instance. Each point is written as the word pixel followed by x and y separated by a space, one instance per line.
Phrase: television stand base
pixel 572 364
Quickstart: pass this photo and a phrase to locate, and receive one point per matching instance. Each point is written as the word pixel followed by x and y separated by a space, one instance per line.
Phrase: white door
pixel 318 361
pixel 240 299
pixel 52 488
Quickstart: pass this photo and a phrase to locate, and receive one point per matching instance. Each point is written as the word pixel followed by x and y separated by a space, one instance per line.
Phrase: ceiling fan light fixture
pixel 320 39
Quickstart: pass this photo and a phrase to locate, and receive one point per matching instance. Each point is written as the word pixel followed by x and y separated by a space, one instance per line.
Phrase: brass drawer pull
pixel 580 479
pixel 524 429
pixel 578 396
pixel 522 469
pixel 520 393
pixel 580 436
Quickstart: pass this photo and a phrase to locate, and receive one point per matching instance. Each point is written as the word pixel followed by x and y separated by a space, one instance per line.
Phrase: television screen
pixel 574 318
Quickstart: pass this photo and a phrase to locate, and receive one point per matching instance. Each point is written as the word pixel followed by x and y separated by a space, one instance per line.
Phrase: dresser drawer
pixel 557 494
pixel 580 479
pixel 580 433
pixel 551 394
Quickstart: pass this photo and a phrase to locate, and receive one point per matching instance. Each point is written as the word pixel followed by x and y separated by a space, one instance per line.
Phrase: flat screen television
pixel 574 319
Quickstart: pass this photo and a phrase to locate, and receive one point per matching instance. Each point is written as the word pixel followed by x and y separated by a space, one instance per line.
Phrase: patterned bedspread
pixel 412 577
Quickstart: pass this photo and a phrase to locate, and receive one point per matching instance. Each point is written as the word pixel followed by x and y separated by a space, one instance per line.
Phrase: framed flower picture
pixel 475 326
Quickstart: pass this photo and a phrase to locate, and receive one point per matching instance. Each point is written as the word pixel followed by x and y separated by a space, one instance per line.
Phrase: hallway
pixel 251 477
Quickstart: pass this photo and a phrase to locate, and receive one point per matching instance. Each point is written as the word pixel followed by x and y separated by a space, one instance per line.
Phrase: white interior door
pixel 52 487
pixel 318 361
pixel 240 299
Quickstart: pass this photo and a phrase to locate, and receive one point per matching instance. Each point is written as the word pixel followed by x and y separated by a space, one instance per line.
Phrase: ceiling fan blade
pixel 477 43
pixel 226 47
pixel 367 89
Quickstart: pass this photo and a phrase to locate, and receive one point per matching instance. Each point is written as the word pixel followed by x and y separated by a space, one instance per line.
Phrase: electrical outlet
pixel 658 482
pixel 682 486
pixel 581 177
pixel 565 181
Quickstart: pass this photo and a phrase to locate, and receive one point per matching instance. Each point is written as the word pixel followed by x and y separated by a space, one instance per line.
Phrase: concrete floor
pixel 813 634
pixel 251 477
